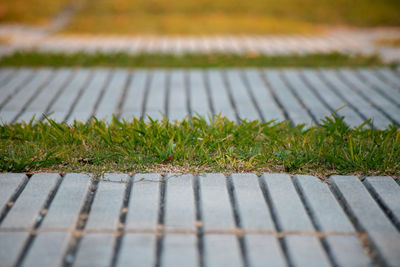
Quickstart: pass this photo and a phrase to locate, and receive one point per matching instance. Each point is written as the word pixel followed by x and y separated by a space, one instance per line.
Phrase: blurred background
pixel 201 16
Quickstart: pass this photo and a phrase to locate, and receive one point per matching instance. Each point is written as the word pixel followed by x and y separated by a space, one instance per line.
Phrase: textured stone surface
pixel 29 203
pixel 47 249
pixel 221 250
pixel 144 202
pixel 9 184
pixel 95 250
pixel 326 211
pixel 303 95
pixel 370 217
pixel 66 205
pixel 137 250
pixel 251 204
pixel 264 250
pixel 215 205
pixel 11 244
pixel 180 211
pixel 270 220
pixel 387 192
pixel 106 207
pixel 180 250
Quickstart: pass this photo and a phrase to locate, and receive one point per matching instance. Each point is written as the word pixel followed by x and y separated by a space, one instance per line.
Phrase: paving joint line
pixel 363 236
pixel 362 94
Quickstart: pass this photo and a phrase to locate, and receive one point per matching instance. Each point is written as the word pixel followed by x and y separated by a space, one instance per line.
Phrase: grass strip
pixel 40 59
pixel 395 42
pixel 199 145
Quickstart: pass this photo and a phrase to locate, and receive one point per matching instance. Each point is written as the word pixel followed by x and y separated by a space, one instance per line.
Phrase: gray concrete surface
pixel 204 220
pixel 302 96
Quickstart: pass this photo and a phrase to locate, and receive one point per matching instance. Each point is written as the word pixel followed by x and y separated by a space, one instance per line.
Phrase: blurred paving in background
pixel 364 41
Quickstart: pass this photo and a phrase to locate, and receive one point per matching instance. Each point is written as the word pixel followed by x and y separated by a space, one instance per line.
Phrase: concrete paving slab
pixel 221 250
pixel 137 249
pixel 208 219
pixel 215 205
pixel 47 249
pixel 369 217
pixel 179 208
pixel 180 250
pixel 248 194
pixel 26 209
pixel 304 96
pixel 9 185
pixel 264 250
pixel 95 250
pixel 144 202
pixel 65 208
pixel 385 190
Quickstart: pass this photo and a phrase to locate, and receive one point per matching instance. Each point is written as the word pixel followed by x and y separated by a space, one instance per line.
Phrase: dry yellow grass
pixel 36 12
pixel 198 24
pixel 206 16
pixel 389 42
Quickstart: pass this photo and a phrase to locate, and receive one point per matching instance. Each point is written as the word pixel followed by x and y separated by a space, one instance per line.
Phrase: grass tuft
pixel 40 59
pixel 199 145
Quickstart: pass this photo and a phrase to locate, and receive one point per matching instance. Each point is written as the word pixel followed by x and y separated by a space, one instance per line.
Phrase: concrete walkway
pixel 298 95
pixel 363 41
pixel 206 220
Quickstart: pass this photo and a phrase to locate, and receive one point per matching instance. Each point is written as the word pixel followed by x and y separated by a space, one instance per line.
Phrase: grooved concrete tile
pixel 106 207
pixel 317 109
pixel 137 250
pixel 241 98
pixel 347 251
pixel 290 212
pixel 47 249
pixel 112 95
pixel 325 209
pixel 155 104
pixel 11 244
pixel 369 205
pixel 388 89
pixel 95 250
pixel 221 250
pixel 133 102
pixel 144 202
pixel 219 94
pixel 21 98
pixel 62 105
pixel 270 94
pixel 9 184
pixel 28 205
pixel 376 97
pixel 332 99
pixel 40 103
pixel 253 210
pixel 269 109
pixel 363 106
pixel 86 102
pixel 5 74
pixel 179 203
pixel 306 251
pixel 215 203
pixel 18 80
pixel 67 203
pixel 387 192
pixel 369 216
pixel 177 106
pixel 198 93
pixel 297 114
pixel 264 250
pixel 179 250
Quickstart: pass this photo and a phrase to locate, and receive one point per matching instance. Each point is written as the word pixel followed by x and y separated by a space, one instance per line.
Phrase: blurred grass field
pixel 207 16
pixel 36 12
